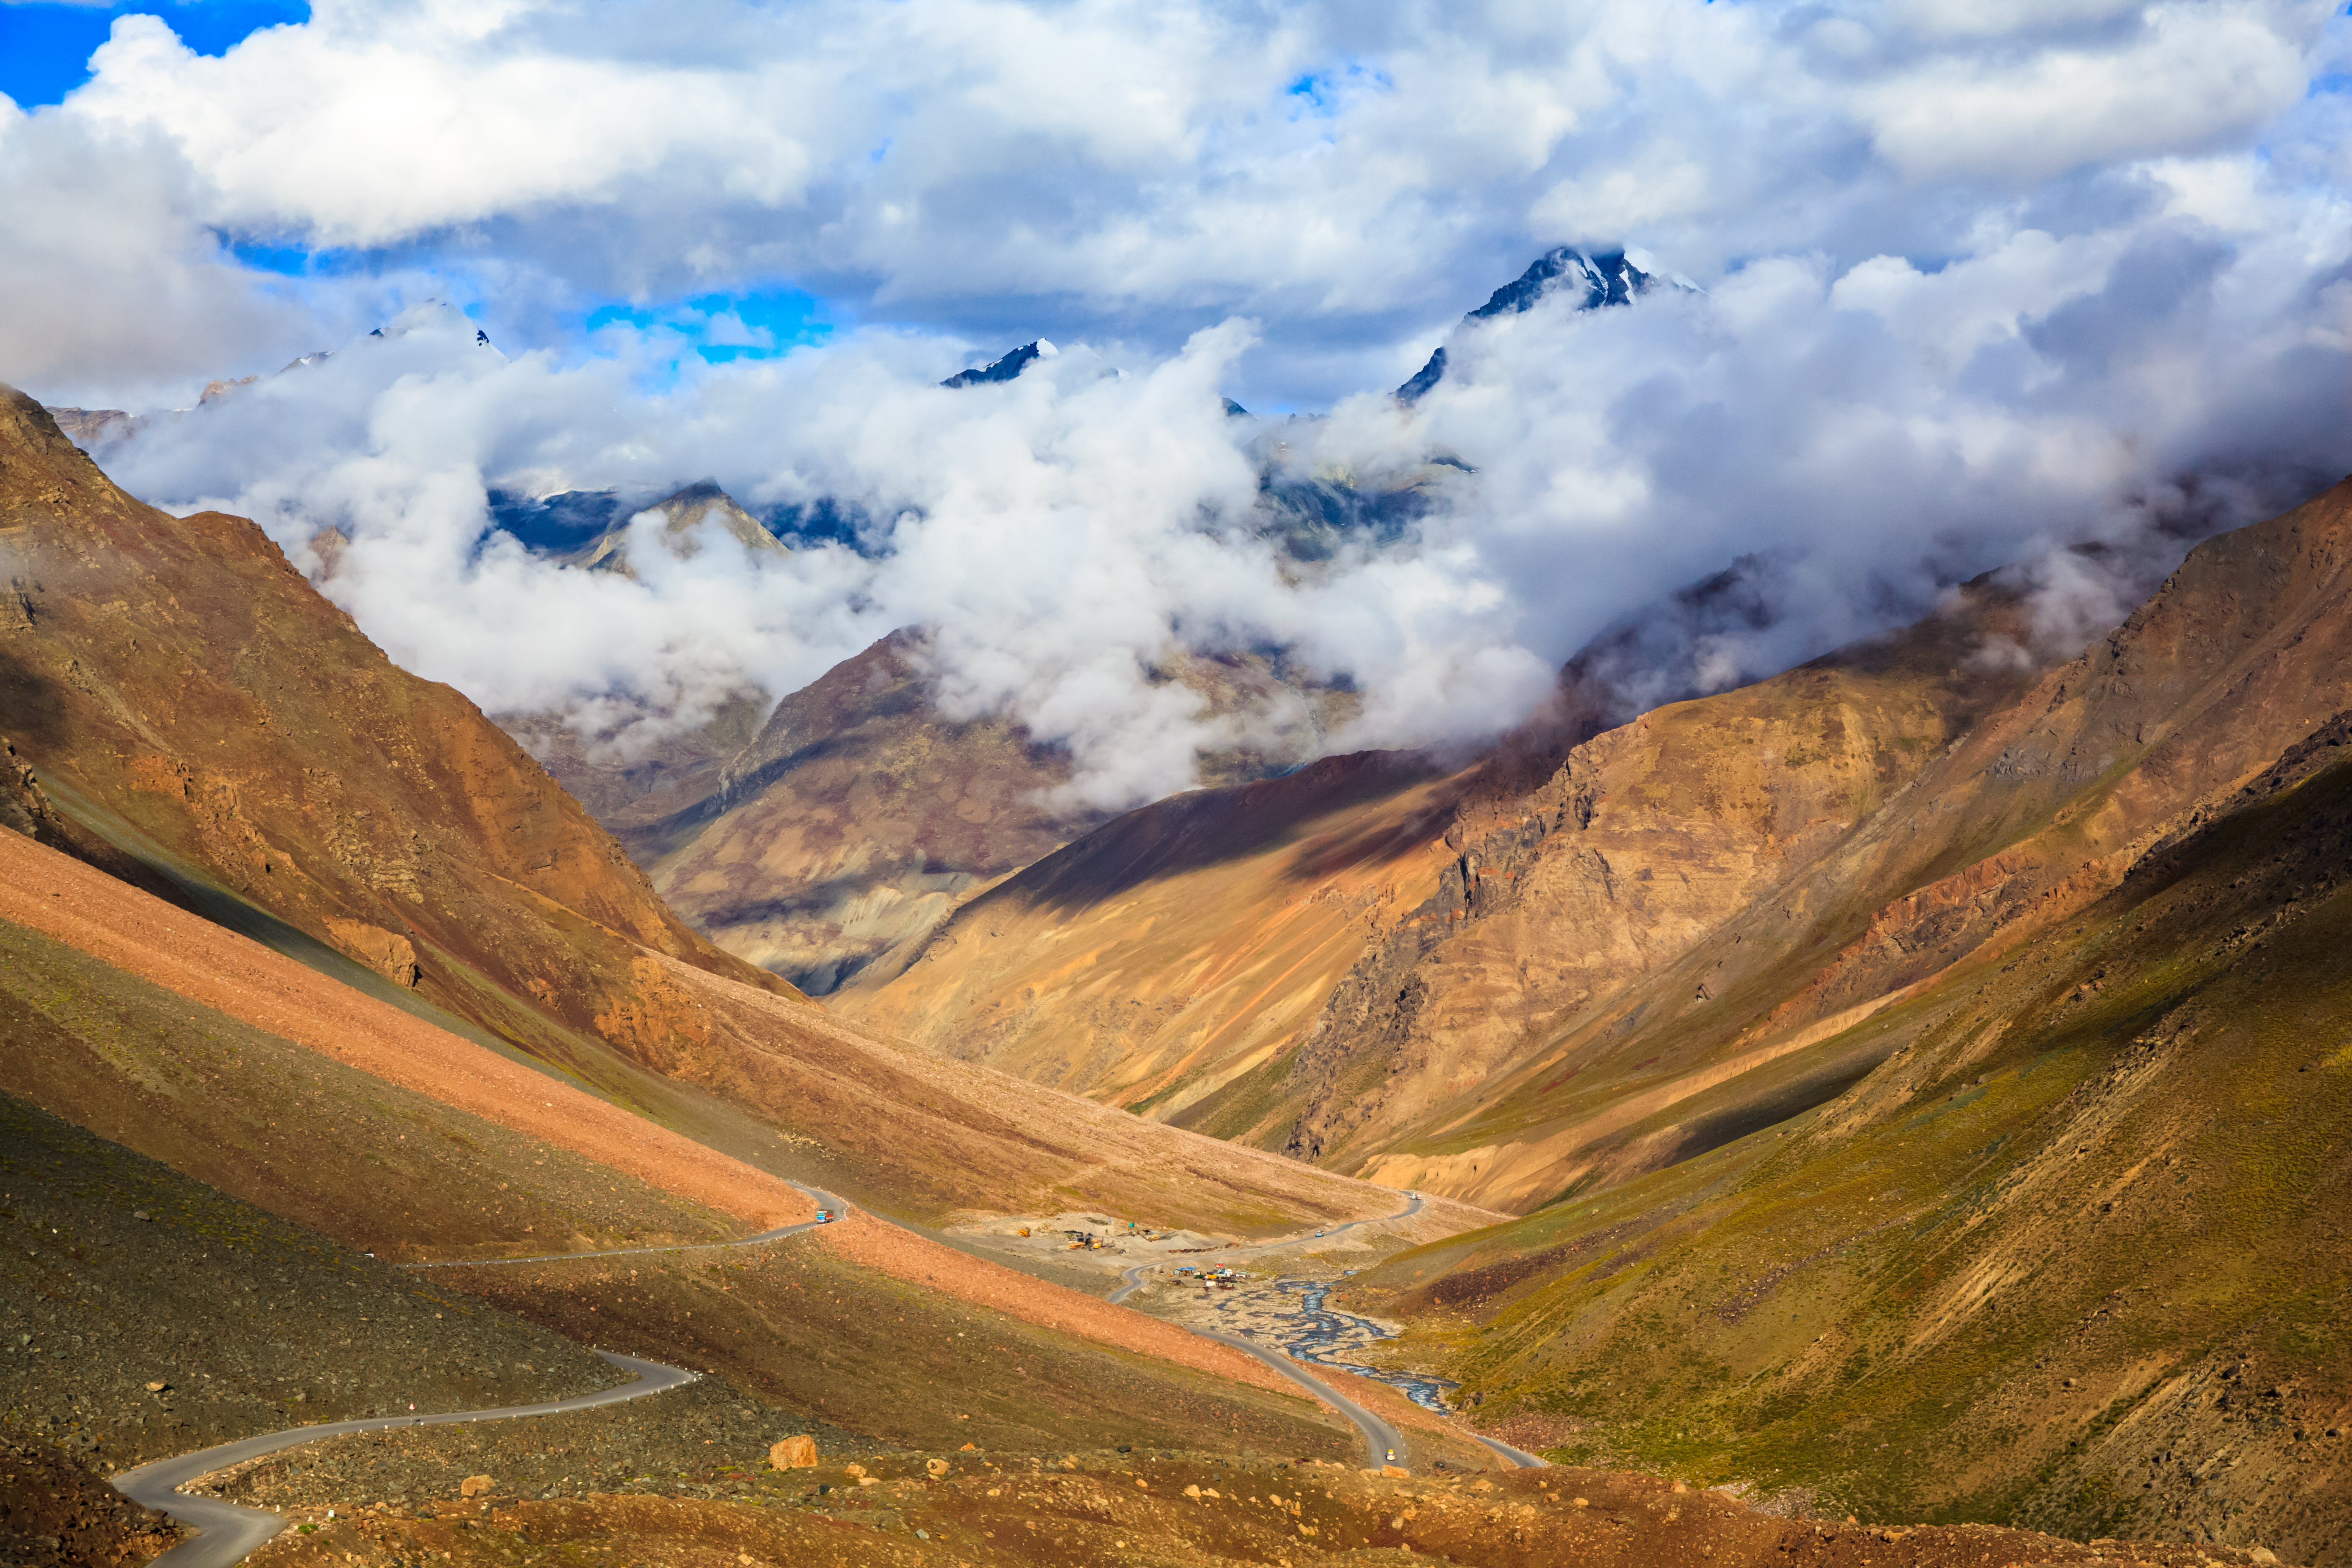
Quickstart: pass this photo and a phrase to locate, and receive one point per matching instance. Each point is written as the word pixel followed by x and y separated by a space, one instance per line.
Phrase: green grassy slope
pixel 2074 1257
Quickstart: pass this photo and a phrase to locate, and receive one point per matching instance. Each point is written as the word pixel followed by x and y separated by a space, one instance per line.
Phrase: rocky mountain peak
pixel 1004 369
pixel 1605 278
pixel 684 512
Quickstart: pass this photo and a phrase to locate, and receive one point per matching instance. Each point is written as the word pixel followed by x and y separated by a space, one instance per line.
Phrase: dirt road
pixel 225 1534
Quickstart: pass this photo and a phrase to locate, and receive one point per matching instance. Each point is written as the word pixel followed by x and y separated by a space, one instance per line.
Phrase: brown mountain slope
pixel 1666 943
pixel 755 1083
pixel 1183 948
pixel 180 688
pixel 2034 811
pixel 182 691
pixel 1146 974
pixel 191 1043
pixel 2073 1255
pixel 858 815
pixel 861 815
pixel 123 1276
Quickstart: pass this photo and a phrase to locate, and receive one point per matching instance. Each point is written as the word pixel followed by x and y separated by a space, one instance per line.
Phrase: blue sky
pixel 45 49
pixel 1348 181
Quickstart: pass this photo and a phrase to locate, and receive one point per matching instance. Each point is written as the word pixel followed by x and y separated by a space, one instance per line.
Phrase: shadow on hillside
pixel 32 709
pixel 1217 826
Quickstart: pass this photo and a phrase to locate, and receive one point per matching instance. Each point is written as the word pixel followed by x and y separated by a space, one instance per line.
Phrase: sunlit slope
pixel 158 1314
pixel 179 689
pixel 758 1086
pixel 1322 962
pixel 1665 941
pixel 2033 809
pixel 255 1072
pixel 1172 960
pixel 2074 1256
pixel 232 1063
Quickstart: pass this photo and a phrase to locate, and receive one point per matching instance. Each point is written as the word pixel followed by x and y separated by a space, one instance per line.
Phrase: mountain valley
pixel 1908 1088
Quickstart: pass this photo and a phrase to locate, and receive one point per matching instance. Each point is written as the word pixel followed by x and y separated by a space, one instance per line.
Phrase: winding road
pixel 225 1532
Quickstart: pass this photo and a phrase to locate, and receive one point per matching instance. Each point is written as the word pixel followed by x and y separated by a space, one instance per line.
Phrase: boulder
pixel 473 1486
pixel 793 1453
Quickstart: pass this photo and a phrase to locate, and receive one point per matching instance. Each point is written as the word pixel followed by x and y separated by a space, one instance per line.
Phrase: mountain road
pixel 226 1532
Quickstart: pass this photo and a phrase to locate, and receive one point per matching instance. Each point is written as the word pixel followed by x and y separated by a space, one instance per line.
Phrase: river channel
pixel 1323 1335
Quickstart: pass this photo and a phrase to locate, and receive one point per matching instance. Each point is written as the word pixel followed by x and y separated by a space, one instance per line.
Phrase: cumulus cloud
pixel 1973 283
pixel 1346 177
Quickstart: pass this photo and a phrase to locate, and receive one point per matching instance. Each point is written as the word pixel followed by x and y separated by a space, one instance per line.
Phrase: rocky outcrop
pixel 1727 873
pixel 1615 947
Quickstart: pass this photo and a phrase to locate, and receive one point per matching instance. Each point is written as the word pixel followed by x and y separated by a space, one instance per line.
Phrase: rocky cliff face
pixel 1254 965
pixel 185 699
pixel 1514 1063
pixel 1616 950
pixel 2070 1252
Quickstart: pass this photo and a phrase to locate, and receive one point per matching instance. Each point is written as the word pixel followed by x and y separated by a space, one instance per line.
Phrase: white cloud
pixel 2185 79
pixel 1980 278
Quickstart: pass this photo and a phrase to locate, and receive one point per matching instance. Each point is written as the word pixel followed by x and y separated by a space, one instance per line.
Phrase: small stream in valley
pixel 1322 1334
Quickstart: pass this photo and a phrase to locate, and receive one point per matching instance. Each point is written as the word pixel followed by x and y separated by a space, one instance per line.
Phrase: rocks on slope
pixel 53 1513
pixel 2005 823
pixel 1173 1506
pixel 182 691
pixel 1180 958
pixel 145 1314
